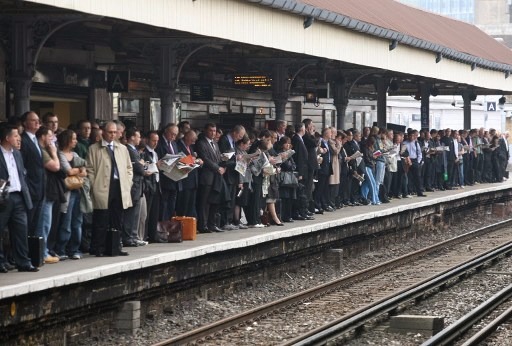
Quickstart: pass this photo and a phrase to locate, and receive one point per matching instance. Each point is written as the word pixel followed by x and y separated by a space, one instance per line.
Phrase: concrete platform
pixel 90 268
pixel 74 299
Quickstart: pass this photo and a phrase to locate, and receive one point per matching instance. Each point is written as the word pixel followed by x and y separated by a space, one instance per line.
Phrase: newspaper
pixel 227 156
pixel 180 171
pixel 442 148
pixel 174 169
pixel 356 155
pixel 241 166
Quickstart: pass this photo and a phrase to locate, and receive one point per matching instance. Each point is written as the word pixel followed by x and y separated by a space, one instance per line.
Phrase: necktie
pixel 213 145
pixel 115 172
pixel 170 147
pixel 37 145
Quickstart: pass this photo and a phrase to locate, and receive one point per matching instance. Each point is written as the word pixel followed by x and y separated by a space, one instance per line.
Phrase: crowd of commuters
pixel 245 179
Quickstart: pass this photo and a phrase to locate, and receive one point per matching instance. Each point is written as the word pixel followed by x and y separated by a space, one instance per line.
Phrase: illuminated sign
pixel 253 81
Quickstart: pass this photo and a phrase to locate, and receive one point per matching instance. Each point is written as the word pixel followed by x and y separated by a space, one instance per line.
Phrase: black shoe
pixel 309 213
pixel 320 211
pixel 310 218
pixel 329 209
pixel 386 201
pixel 365 202
pixel 288 220
pixel 9 266
pixel 3 269
pixel 215 229
pixel 299 217
pixel 29 268
pixel 429 190
pixel 123 253
pixel 206 230
pixel 130 245
pixel 421 195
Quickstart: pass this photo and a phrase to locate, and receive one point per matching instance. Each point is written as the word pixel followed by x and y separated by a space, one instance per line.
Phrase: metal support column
pixel 382 89
pixel 340 101
pixel 22 65
pixel 466 96
pixel 167 85
pixel 425 106
pixel 280 90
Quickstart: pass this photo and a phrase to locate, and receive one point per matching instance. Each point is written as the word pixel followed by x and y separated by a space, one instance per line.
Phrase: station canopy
pixel 318 41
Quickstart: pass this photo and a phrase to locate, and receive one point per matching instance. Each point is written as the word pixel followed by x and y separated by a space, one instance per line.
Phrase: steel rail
pixel 357 319
pixel 295 299
pixel 459 327
pixel 489 329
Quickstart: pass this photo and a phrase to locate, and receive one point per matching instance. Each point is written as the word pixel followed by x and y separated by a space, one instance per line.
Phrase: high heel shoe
pixel 276 224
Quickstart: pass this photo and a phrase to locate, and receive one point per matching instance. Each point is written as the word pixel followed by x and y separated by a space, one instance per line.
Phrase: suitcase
pixel 172 229
pixel 36 250
pixel 112 242
pixel 189 226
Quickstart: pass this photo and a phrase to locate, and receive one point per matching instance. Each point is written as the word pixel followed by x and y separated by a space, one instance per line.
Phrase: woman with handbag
pixel 287 190
pixel 69 233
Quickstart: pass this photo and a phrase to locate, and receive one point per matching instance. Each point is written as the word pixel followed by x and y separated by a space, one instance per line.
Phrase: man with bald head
pixel 33 161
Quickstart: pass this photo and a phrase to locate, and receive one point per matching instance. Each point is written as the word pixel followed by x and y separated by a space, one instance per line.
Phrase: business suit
pixel 324 172
pixel 152 193
pixel 311 144
pixel 14 214
pixel 300 157
pixel 33 161
pixel 168 187
pixel 207 177
pixel 130 233
pixel 231 177
pixel 186 205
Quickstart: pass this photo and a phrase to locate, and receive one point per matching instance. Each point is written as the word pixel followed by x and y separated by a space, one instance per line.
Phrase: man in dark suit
pixel 227 144
pixel 300 157
pixel 132 214
pixel 186 205
pixel 209 179
pixel 13 214
pixel 169 188
pixel 33 161
pixel 152 187
pixel 312 145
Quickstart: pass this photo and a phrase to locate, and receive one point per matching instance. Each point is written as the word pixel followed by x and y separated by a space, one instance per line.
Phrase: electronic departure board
pixel 252 81
pixel 201 92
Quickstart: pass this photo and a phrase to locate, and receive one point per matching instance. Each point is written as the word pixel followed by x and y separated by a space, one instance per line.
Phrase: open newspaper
pixel 243 162
pixel 177 167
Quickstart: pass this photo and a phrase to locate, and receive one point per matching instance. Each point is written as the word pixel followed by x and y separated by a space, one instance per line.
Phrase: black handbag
pixel 288 179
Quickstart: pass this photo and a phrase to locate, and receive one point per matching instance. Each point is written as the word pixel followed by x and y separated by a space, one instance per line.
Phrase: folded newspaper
pixel 356 155
pixel 176 167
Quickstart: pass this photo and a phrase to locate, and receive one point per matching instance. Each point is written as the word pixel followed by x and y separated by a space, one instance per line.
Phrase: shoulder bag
pixel 73 182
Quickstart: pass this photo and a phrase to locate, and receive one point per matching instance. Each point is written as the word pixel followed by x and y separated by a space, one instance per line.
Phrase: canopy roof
pixel 407 25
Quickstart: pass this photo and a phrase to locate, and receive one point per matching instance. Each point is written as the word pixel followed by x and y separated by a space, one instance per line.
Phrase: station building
pixel 246 62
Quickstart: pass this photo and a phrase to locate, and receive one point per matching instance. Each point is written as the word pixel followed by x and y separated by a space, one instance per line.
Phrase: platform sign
pixel 118 81
pixel 491 106
pixel 252 81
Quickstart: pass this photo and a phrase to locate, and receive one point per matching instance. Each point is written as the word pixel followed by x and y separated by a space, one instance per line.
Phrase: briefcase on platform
pixel 36 250
pixel 189 226
pixel 112 242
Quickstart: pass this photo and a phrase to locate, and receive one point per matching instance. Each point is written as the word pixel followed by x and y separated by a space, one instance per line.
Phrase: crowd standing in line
pixel 270 177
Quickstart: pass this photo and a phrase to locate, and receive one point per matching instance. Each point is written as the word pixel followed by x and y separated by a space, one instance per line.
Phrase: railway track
pixel 281 321
pixel 499 304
